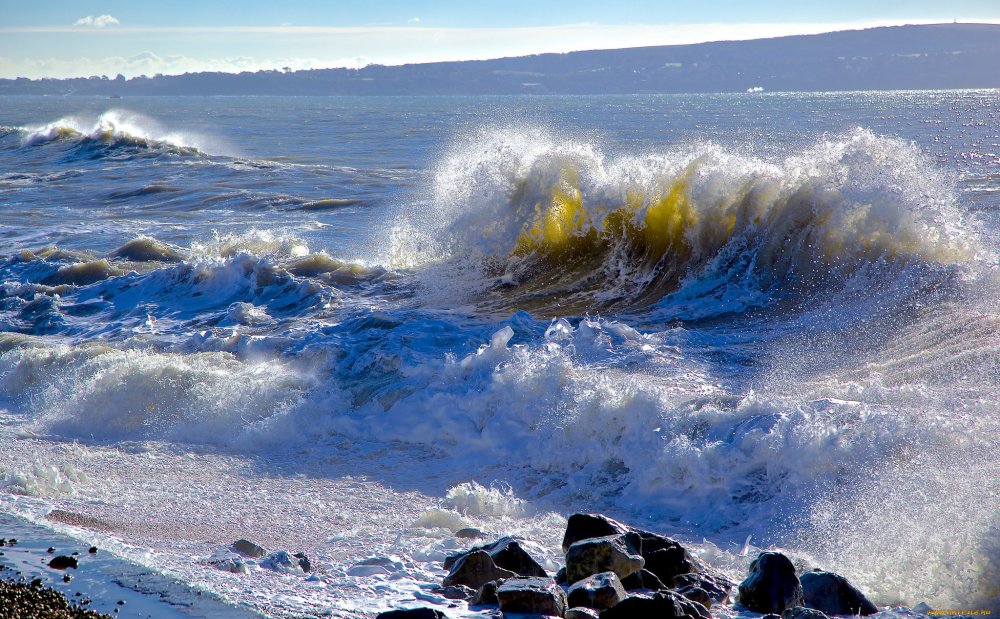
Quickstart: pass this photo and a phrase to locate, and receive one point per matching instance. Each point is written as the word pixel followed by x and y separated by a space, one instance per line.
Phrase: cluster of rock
pixel 615 571
pixel 772 587
pixel 234 559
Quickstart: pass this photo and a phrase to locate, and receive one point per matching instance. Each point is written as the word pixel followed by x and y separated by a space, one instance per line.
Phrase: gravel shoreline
pixel 32 600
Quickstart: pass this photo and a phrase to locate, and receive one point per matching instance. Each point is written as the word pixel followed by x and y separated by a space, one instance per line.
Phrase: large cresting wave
pixel 557 225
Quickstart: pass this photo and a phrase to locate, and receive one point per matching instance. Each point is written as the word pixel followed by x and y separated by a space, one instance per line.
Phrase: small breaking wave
pixel 116 128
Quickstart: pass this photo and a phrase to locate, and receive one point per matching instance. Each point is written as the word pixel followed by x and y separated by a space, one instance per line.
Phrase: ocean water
pixel 351 326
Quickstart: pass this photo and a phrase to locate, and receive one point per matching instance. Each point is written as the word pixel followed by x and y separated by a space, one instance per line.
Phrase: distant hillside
pixel 901 57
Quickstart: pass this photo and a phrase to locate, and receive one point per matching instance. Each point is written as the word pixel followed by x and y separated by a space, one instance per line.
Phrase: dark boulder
pixel 696 594
pixel 456 592
pixel 506 553
pixel 599 591
pixel 643 579
pixel 561 576
pixel 834 595
pixel 413 613
pixel 469 533
pixel 771 585
pixel 474 570
pixel 663 605
pixel 717 587
pixel 248 549
pixel 487 594
pixel 63 562
pixel 585 526
pixel 803 613
pixel 581 612
pixel 602 554
pixel 664 556
pixel 537 596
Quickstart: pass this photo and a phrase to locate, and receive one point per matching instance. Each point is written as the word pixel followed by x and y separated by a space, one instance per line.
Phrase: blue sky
pixel 61 38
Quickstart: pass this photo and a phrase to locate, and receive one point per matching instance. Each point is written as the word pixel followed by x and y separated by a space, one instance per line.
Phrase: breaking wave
pixel 116 128
pixel 555 225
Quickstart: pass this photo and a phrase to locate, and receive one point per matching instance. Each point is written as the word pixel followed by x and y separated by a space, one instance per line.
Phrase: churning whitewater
pixel 354 327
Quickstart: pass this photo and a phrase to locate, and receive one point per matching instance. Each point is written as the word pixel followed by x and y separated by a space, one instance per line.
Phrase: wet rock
pixel 834 595
pixel 474 570
pixel 664 556
pixel 581 613
pixel 561 576
pixel 456 592
pixel 229 564
pixel 800 612
pixel 663 605
pixel 304 561
pixel 539 596
pixel 248 549
pixel 599 591
pixel 696 594
pixel 506 553
pixel 585 526
pixel 63 562
pixel 51 549
pixel 469 533
pixel 771 585
pixel 601 554
pixel 717 587
pixel 643 579
pixel 413 613
pixel 487 594
pixel 282 561
pixel 92 550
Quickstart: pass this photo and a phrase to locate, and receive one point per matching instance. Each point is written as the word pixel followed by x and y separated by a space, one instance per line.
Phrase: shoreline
pixel 102 584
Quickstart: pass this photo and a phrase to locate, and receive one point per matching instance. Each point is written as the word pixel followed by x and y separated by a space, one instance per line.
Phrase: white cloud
pixel 100 21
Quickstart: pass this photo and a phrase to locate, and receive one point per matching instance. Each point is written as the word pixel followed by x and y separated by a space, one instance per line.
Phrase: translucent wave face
pixel 551 222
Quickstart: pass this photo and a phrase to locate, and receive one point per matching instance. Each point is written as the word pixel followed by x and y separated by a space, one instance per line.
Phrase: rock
pixel 63 562
pixel 474 570
pixel 539 596
pixel 469 533
pixel 92 550
pixel 664 556
pixel 282 561
pixel 304 561
pixel 772 585
pixel 231 563
pixel 599 591
pixel 413 613
pixel 664 605
pixel 834 595
pixel 507 553
pixel 561 576
pixel 456 592
pixel 248 549
pixel 643 579
pixel 585 526
pixel 601 554
pixel 581 613
pixel 717 587
pixel 800 612
pixel 487 594
pixel 696 594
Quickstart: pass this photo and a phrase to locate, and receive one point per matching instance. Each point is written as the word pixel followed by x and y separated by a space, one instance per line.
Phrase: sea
pixel 351 327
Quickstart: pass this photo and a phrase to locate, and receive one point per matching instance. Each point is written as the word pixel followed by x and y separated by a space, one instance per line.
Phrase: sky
pixel 73 38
